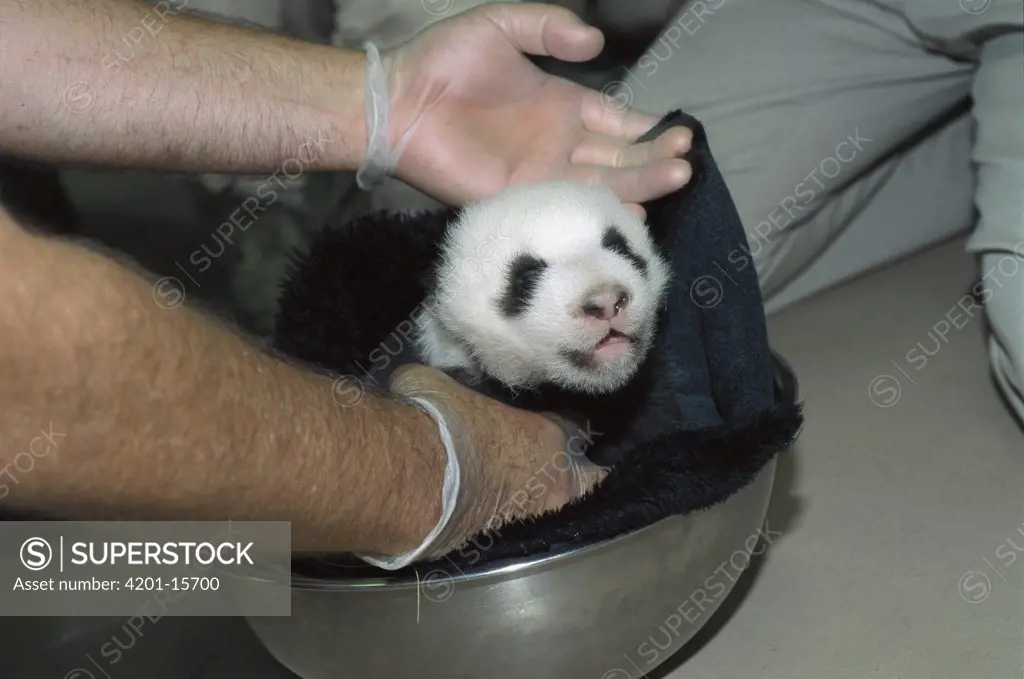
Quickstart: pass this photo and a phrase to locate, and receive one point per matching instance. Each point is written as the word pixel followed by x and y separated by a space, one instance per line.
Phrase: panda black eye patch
pixel 522 278
pixel 614 241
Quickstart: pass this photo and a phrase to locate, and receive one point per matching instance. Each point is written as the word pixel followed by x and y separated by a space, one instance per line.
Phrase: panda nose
pixel 606 305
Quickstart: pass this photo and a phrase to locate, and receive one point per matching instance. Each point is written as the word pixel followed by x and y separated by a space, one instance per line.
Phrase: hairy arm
pixel 122 82
pixel 112 407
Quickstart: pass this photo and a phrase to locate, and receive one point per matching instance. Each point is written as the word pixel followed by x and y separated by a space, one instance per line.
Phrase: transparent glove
pixel 503 463
pixel 460 113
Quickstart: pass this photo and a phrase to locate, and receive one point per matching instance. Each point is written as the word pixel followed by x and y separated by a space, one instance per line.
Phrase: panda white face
pixel 553 282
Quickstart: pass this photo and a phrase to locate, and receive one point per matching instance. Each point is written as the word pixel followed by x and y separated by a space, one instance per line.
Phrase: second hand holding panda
pixel 460 113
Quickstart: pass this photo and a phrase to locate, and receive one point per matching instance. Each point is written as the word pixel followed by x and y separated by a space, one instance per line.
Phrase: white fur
pixel 562 223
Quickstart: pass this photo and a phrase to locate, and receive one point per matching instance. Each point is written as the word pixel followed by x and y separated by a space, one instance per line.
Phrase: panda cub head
pixel 553 282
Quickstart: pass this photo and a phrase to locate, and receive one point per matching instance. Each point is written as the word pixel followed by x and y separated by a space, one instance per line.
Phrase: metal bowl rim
pixel 501 568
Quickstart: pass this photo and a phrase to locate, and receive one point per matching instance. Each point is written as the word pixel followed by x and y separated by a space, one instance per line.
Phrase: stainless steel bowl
pixel 613 610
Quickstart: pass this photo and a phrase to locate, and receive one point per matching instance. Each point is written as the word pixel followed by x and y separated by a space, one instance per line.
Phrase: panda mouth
pixel 615 343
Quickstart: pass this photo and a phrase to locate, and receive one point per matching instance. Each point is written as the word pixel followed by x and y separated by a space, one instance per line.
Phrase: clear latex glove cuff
pixel 449 496
pixel 381 160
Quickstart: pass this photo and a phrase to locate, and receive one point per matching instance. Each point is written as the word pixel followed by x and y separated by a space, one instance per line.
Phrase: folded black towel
pixel 699 421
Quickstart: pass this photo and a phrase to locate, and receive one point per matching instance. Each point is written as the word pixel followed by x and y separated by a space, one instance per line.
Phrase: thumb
pixel 546 30
pixel 581 477
pixel 586 474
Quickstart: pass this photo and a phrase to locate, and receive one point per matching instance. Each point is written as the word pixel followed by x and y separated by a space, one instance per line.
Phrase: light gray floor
pixel 902 553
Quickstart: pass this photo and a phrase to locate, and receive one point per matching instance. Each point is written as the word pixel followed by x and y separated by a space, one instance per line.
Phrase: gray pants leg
pixel 999 153
pixel 823 111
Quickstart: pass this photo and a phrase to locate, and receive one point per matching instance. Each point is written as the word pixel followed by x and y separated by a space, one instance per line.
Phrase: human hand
pixel 484 117
pixel 513 463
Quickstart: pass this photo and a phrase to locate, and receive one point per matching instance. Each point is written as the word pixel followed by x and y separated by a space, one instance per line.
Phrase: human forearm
pixel 125 83
pixel 165 414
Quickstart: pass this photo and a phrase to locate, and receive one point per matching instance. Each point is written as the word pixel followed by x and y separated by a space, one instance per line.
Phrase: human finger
pixel 577 478
pixel 638 184
pixel 582 475
pixel 607 151
pixel 608 112
pixel 638 210
pixel 546 30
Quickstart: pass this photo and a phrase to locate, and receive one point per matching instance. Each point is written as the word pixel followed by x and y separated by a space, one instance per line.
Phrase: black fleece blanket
pixel 699 421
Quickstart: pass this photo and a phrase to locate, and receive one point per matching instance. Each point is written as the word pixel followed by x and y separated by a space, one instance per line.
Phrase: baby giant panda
pixel 553 283
pixel 545 296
